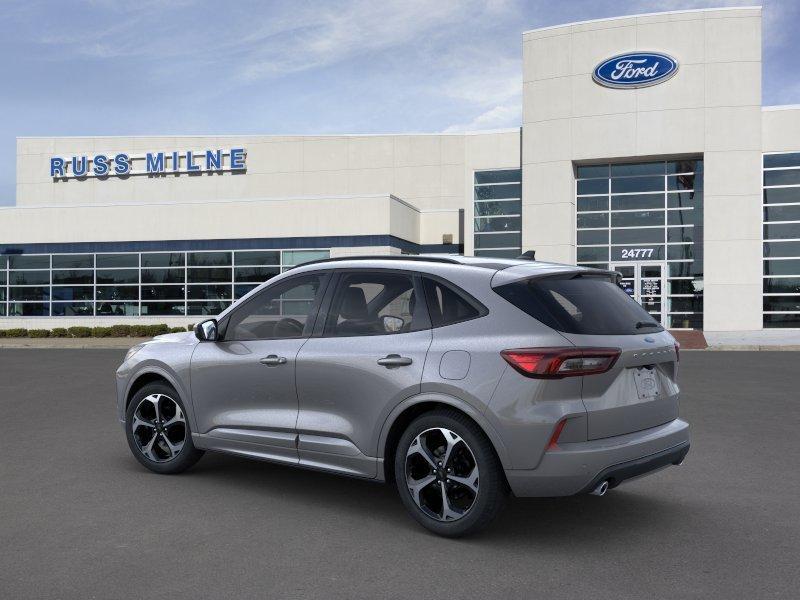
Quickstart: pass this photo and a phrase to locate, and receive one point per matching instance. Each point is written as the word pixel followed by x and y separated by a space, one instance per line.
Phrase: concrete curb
pixel 72 343
pixel 755 348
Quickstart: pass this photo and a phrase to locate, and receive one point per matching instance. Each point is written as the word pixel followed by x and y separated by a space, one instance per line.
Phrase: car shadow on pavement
pixel 623 514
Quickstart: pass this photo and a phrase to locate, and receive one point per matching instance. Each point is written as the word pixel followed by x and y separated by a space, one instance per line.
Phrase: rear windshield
pixel 580 303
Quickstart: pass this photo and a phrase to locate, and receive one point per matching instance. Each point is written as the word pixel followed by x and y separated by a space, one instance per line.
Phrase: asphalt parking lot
pixel 80 518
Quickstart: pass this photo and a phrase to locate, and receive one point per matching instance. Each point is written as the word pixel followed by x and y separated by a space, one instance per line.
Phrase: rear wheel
pixel 448 475
pixel 158 432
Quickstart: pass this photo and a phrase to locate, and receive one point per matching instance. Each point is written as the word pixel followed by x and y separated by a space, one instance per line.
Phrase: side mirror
pixel 207 331
pixel 392 324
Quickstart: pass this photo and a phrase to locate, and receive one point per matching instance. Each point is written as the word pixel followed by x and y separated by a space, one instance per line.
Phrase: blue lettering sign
pixel 79 166
pixel 154 162
pixel 237 159
pixel 190 166
pixel 176 161
pixel 635 70
pixel 213 160
pixel 121 164
pixel 56 167
pixel 100 163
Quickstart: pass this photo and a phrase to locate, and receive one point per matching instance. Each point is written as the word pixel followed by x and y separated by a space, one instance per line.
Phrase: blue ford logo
pixel 650 340
pixel 635 70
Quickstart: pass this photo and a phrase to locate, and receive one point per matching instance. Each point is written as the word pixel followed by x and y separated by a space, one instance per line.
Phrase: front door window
pixel 644 282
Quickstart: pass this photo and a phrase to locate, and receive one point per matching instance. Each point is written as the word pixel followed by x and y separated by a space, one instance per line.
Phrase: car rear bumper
pixel 578 467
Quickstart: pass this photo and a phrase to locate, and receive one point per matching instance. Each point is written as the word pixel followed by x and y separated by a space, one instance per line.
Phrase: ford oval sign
pixel 635 70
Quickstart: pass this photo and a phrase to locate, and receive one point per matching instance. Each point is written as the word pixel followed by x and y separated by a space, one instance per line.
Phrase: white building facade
pixel 663 165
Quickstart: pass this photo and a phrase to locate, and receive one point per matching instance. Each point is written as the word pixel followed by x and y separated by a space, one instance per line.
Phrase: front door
pixel 243 387
pixel 368 359
pixel 644 282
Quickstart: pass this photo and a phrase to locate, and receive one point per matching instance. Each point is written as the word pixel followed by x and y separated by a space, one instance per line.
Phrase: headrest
pixel 354 304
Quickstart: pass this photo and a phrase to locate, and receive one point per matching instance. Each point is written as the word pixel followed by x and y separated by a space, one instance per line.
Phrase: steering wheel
pixel 288 327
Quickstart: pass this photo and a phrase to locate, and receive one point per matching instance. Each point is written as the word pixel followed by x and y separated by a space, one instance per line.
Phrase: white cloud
pixel 497 117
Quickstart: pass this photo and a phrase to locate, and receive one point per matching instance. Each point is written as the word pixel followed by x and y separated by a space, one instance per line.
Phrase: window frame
pixel 460 292
pixel 313 315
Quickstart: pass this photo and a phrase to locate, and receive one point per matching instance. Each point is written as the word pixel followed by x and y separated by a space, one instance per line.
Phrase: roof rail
pixel 437 259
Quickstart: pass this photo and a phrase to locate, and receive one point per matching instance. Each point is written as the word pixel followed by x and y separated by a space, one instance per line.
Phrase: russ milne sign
pixel 635 70
pixel 150 163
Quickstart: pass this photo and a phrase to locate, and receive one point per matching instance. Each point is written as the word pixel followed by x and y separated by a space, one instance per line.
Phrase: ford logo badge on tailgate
pixel 635 70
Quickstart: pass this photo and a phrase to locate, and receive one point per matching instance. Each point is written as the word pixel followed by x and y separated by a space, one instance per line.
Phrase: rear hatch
pixel 590 311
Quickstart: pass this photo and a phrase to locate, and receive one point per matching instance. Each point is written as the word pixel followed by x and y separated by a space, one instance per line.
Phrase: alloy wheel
pixel 442 474
pixel 159 427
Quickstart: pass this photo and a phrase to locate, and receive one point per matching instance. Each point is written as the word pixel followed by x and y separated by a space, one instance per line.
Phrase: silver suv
pixel 457 378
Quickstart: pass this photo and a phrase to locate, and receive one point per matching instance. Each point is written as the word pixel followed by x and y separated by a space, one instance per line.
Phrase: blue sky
pixel 149 67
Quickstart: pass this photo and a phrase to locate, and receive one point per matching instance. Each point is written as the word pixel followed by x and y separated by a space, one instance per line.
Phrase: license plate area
pixel 646 380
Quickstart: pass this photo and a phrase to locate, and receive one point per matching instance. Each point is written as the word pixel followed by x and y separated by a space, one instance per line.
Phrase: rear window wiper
pixel 643 324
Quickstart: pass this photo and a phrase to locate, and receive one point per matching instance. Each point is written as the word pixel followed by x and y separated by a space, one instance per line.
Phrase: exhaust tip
pixel 601 489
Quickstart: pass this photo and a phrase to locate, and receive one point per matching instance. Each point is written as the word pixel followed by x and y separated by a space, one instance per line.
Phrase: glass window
pixel 637 201
pixel 685 286
pixel 73 277
pixel 114 261
pixel 261 257
pixel 587 171
pixel 163 276
pixel 782 231
pixel 29 293
pixel 510 253
pixel 210 275
pixel 684 217
pixel 782 267
pixel 638 252
pixel 693 304
pixel 782 195
pixel 596 203
pixel 73 292
pixel 593 237
pixel 680 252
pixel 498 224
pixel 242 290
pixel 781 249
pixel 680 234
pixel 637 219
pixel 582 304
pixel 498 176
pixel 637 184
pixel 685 200
pixel 787 320
pixel 117 309
pixel 29 277
pixel 637 236
pixel 592 220
pixel 683 182
pixel 117 292
pixel 28 309
pixel 207 308
pixel 298 257
pixel 592 186
pixel 498 240
pixel 209 292
pixel 72 309
pixel 790 159
pixel 782 213
pixel 782 303
pixel 284 310
pixel 165 309
pixel 255 274
pixel 375 303
pixel 117 276
pixel 494 192
pixel 593 254
pixel 447 306
pixel 786 177
pixel 26 261
pixel 163 259
pixel 209 259
pixel 73 261
pixel 163 292
pixel 650 168
pixel 503 207
pixel 684 166
pixel 782 285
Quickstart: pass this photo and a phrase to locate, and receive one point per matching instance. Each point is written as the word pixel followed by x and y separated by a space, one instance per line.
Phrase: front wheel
pixel 448 475
pixel 158 432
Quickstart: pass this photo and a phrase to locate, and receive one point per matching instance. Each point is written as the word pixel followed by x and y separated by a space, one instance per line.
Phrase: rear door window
pixel 447 306
pixel 579 303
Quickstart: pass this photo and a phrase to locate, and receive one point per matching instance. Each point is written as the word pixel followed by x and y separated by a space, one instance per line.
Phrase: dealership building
pixel 644 147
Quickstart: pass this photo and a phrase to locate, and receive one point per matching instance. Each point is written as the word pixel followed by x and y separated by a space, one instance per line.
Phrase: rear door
pixel 591 311
pixel 369 358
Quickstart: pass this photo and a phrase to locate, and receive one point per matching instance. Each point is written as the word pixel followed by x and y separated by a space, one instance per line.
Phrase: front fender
pixel 149 367
pixel 448 400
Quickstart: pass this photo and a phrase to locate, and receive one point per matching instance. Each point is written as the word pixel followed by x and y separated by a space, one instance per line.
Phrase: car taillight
pixel 677 352
pixel 555 363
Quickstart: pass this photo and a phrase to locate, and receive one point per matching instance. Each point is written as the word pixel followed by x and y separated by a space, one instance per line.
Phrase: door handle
pixel 394 360
pixel 273 360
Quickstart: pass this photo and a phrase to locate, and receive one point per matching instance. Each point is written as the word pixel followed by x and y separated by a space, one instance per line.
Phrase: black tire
pixel 187 456
pixel 492 489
